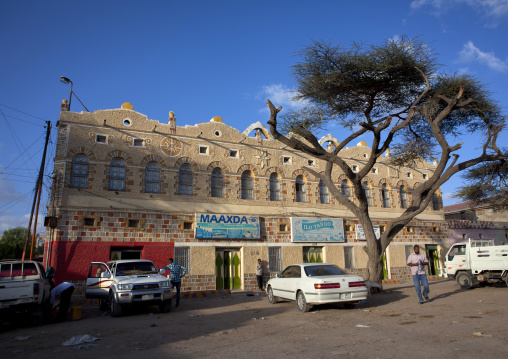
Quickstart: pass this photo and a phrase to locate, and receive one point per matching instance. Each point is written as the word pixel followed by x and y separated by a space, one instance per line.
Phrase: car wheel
pixel 301 302
pixel 103 304
pixel 271 298
pixel 116 308
pixel 350 305
pixel 165 306
pixel 464 280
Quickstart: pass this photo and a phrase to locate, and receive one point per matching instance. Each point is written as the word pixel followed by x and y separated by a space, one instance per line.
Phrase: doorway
pixel 227 269
pixel 433 257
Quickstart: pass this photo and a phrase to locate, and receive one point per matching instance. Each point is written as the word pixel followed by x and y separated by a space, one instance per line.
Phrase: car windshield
pixel 323 270
pixel 134 268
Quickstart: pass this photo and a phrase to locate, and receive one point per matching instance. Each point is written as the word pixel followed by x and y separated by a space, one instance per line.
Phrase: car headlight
pixel 124 286
pixel 164 284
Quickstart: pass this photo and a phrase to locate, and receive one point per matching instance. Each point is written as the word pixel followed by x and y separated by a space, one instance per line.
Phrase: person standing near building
pixel 177 273
pixel 417 261
pixel 259 274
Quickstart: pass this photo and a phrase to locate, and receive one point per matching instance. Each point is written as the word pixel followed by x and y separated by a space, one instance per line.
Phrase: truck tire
pixel 165 306
pixel 464 280
pixel 116 308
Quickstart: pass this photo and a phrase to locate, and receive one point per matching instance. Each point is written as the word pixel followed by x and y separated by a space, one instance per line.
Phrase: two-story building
pixel 217 199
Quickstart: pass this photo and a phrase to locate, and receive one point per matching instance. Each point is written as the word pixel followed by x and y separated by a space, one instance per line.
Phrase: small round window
pixel 127 121
pixel 217 133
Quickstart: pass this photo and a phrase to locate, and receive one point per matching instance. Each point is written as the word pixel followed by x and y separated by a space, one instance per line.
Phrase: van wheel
pixel 116 308
pixel 464 280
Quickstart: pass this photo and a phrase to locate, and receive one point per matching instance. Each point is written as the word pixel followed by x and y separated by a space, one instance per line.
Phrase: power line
pixel 22 154
pixel 15 109
pixel 19 119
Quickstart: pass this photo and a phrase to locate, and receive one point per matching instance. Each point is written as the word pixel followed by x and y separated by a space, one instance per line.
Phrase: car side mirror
pixel 105 275
pixel 450 258
pixel 277 275
pixel 162 271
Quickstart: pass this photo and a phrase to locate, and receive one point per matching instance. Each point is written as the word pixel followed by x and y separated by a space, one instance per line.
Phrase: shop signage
pixel 221 226
pixel 313 229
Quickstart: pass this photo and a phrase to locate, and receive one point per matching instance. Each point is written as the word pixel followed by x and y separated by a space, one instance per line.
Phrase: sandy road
pixel 454 324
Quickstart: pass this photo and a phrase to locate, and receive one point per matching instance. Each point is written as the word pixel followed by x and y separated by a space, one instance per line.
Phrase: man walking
pixel 259 274
pixel 177 273
pixel 417 261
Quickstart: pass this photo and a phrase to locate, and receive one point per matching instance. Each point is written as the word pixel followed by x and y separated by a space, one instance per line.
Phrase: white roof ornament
pixel 258 126
pixel 329 138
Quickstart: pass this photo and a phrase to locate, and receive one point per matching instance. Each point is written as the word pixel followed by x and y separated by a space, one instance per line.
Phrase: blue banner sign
pixel 312 229
pixel 224 226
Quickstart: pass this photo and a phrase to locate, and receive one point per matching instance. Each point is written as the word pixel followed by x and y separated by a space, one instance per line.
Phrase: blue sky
pixel 202 59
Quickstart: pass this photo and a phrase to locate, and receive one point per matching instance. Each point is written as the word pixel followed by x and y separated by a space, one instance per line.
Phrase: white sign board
pixel 361 236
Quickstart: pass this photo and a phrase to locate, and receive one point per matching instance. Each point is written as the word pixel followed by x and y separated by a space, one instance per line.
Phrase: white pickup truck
pixel 23 286
pixel 122 283
pixel 477 261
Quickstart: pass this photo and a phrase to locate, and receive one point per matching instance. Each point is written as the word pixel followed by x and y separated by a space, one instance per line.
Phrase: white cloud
pixel 471 53
pixel 490 9
pixel 9 221
pixel 281 95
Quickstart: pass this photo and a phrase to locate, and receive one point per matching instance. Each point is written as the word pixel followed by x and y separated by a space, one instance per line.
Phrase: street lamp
pixel 65 80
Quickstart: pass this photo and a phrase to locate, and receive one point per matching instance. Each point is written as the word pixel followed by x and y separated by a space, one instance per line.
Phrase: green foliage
pixel 12 243
pixel 486 183
pixel 364 84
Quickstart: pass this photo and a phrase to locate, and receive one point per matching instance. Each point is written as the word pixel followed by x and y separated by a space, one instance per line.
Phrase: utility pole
pixel 37 195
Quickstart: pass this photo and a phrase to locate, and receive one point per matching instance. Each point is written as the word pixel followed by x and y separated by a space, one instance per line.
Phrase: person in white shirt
pixel 417 261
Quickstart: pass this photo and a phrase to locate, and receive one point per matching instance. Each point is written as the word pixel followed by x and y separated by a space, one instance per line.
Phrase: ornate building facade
pixel 217 199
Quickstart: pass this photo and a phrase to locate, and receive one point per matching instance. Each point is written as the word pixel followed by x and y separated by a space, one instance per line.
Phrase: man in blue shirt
pixel 177 273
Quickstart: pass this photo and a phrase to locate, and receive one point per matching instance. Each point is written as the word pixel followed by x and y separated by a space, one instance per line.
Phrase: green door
pixel 433 258
pixel 227 268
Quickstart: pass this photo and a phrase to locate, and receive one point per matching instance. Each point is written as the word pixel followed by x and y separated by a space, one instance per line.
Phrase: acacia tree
pixel 393 93
pixel 486 183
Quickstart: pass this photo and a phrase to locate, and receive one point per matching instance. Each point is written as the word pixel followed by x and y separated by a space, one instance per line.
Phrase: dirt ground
pixel 455 323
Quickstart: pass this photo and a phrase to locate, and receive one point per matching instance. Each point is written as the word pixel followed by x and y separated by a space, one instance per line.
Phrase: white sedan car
pixel 316 283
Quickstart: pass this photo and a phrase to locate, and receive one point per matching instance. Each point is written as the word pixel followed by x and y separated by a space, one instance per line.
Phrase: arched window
pixel 117 171
pixel 403 197
pixel 79 172
pixel 435 202
pixel 247 185
pixel 345 189
pixel 275 187
pixel 185 177
pixel 366 189
pixel 385 194
pixel 301 193
pixel 217 183
pixel 324 194
pixel 152 178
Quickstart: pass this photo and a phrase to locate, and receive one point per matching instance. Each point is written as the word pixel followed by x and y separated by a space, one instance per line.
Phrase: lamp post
pixel 65 80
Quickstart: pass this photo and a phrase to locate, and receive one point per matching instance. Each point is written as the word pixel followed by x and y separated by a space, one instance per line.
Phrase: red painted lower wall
pixel 71 260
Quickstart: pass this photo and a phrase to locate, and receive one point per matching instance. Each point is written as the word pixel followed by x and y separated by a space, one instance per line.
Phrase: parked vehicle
pixel 316 283
pixel 23 287
pixel 123 283
pixel 477 261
